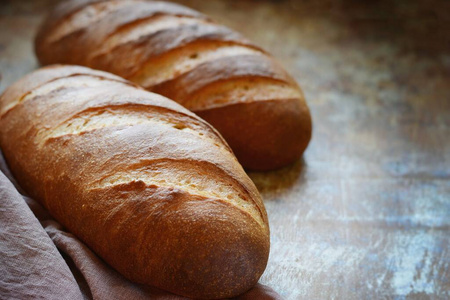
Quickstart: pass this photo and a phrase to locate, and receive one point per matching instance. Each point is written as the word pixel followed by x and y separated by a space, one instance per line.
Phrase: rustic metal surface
pixel 366 214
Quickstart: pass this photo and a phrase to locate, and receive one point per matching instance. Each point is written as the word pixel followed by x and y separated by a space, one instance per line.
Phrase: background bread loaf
pixel 149 186
pixel 184 55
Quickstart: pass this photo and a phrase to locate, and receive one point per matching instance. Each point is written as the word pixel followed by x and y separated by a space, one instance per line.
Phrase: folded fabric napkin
pixel 40 259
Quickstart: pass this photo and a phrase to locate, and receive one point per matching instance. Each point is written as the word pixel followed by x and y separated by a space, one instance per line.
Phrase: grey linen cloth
pixel 39 259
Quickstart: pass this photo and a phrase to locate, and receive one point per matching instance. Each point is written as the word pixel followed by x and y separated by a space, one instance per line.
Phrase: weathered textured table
pixel 366 214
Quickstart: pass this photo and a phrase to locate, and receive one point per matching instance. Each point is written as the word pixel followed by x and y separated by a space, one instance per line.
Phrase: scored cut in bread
pixel 184 55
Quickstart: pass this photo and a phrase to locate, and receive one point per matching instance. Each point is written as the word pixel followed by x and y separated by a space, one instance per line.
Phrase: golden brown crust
pixel 57 16
pixel 129 38
pixel 227 68
pixel 89 32
pixel 64 10
pixel 155 44
pixel 148 185
pixel 32 81
pixel 283 131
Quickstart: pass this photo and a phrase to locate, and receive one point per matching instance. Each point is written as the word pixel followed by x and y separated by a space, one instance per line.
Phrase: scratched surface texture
pixel 366 213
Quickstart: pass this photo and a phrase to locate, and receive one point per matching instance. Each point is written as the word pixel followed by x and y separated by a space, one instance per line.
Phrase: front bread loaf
pixel 180 53
pixel 153 189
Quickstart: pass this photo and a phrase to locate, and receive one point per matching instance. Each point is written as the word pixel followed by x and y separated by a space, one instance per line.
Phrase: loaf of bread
pixel 179 53
pixel 153 189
